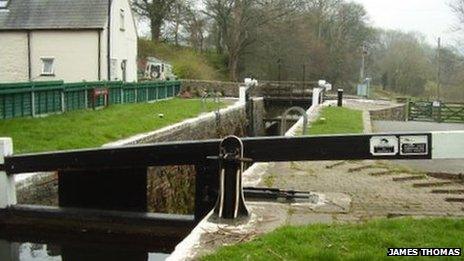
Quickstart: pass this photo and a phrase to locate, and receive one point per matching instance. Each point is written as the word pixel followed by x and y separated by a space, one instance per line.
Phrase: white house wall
pixel 13 57
pixel 123 43
pixel 75 54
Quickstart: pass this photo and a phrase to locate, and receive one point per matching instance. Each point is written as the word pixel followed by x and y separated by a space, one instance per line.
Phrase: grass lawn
pixel 369 241
pixel 86 128
pixel 338 120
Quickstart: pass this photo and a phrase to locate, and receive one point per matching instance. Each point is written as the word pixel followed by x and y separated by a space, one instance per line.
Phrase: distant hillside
pixel 187 63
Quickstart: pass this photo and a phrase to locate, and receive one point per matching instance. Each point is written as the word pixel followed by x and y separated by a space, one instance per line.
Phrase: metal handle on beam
pixel 231 201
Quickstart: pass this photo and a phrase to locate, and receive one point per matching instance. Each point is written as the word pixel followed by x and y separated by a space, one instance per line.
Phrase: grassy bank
pixel 187 63
pixel 84 129
pixel 369 241
pixel 337 120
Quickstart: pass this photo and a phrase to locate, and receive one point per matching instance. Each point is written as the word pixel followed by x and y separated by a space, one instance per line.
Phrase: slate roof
pixel 54 14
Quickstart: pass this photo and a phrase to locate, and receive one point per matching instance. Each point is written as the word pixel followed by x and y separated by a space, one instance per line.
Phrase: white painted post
pixel 7 183
pixel 316 96
pixel 242 94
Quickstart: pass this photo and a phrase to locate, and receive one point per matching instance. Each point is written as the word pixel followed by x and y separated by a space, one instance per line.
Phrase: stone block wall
pixel 395 113
pixel 228 89
pixel 231 89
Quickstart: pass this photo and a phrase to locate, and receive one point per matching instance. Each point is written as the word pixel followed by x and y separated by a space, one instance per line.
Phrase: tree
pixel 457 6
pixel 323 37
pixel 156 11
pixel 196 24
pixel 219 11
pixel 237 23
pixel 403 63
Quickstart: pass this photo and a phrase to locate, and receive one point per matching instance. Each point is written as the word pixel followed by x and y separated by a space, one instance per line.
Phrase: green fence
pixel 436 111
pixel 39 98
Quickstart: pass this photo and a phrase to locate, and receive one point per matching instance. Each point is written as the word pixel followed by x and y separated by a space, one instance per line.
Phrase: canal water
pixel 26 251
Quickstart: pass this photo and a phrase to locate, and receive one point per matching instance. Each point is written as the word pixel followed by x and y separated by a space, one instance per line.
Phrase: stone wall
pixel 228 89
pixel 231 89
pixel 395 113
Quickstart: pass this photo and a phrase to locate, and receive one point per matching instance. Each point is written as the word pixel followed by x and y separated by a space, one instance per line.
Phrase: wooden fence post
pixel 7 183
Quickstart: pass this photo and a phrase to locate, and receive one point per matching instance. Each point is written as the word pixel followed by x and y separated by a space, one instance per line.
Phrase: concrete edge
pixel 367 122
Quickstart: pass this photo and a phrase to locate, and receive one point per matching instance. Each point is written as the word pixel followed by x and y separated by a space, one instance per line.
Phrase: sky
pixel 432 18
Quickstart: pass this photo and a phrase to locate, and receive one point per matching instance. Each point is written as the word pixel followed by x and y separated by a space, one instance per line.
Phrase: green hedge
pixel 38 98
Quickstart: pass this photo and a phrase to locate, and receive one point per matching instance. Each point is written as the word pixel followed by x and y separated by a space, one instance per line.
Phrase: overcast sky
pixel 433 18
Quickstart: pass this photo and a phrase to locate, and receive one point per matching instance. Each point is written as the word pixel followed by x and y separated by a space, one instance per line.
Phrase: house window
pixel 122 20
pixel 113 70
pixel 3 4
pixel 48 66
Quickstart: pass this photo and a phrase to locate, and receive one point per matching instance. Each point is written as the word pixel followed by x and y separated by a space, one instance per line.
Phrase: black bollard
pixel 340 98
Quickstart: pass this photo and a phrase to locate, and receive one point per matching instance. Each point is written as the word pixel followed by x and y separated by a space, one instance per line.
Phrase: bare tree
pixel 238 21
pixel 457 6
pixel 196 23
pixel 220 12
pixel 156 11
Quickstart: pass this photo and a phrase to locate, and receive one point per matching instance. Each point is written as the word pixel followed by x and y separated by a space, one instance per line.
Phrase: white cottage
pixel 67 40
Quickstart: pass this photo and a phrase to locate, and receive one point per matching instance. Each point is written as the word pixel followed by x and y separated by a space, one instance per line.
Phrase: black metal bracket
pixel 275 194
pixel 2 167
pixel 230 203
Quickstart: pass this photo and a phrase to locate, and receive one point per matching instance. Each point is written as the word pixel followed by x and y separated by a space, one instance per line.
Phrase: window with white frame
pixel 113 69
pixel 122 20
pixel 48 65
pixel 3 4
